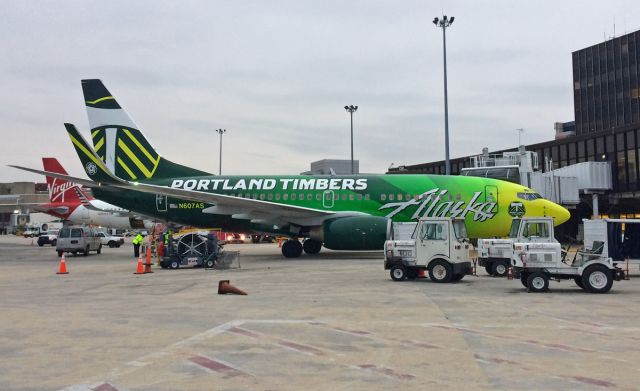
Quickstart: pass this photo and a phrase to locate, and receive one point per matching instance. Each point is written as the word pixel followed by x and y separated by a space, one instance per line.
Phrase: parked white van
pixel 78 240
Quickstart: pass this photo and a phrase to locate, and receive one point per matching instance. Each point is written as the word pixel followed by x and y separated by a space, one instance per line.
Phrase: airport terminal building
pixel 606 93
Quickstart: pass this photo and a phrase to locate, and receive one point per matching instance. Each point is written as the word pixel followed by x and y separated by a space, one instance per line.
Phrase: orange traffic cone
pixel 63 266
pixel 140 269
pixel 510 273
pixel 224 287
pixel 147 265
pixel 421 273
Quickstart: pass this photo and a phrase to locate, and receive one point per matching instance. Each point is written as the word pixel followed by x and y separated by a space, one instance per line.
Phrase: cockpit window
pixel 529 196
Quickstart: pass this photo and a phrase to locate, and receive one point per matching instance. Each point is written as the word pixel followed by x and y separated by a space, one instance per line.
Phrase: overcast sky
pixel 277 74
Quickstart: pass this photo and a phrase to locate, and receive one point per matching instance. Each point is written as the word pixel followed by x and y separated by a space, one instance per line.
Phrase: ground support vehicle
pixel 78 240
pixel 537 263
pixel 49 237
pixel 438 245
pixel 192 250
pixel 496 254
pixel 109 240
pixel 618 239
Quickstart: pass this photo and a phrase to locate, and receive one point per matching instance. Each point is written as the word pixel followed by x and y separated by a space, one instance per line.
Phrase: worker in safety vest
pixel 137 241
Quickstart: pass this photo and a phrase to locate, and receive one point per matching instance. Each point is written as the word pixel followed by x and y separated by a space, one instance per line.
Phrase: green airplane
pixel 339 212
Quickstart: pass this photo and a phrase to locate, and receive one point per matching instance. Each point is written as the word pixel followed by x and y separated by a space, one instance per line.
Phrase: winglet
pixel 93 166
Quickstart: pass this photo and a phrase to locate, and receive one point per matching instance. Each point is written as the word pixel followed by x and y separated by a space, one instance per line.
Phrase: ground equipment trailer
pixel 438 245
pixel 535 263
pixel 191 250
pixel 618 239
pixel 496 254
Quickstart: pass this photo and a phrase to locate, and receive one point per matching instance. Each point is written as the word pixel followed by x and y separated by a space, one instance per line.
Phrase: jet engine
pixel 352 233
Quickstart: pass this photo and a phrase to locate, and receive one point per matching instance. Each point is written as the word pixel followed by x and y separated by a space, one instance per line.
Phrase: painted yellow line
pixel 81 147
pixel 93 134
pixel 127 169
pixel 93 102
pixel 142 148
pixel 134 159
pixel 99 144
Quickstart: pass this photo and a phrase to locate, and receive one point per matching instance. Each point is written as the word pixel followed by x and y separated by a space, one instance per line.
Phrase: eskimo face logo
pixel 91 168
pixel 516 209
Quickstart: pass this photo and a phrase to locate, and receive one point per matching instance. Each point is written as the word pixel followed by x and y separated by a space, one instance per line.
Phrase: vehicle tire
pixel 53 244
pixel 538 282
pixel 597 279
pixel 398 272
pixel 578 281
pixel 86 252
pixel 209 263
pixel 488 267
pixel 99 250
pixel 173 264
pixel 291 248
pixel 60 253
pixel 74 253
pixel 40 244
pixel 311 246
pixel 523 279
pixel 440 271
pixel 412 273
pixel 499 269
pixel 111 244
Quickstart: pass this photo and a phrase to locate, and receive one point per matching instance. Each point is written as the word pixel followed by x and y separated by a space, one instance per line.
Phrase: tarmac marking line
pixel 592 382
pixel 307 349
pixel 216 366
pixel 105 387
pixel 388 372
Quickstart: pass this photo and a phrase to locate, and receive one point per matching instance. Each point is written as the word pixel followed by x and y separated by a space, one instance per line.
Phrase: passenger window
pixel 367 197
pixel 76 233
pixel 344 197
pixel 383 197
pixel 327 196
pixel 359 197
pixel 277 196
pixel 269 196
pixel 309 197
pixel 318 197
pixel 392 197
pixel 294 196
pixel 351 197
pixel 262 196
pixel 285 196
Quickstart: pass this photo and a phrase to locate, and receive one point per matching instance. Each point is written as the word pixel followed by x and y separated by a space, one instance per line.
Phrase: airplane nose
pixel 559 213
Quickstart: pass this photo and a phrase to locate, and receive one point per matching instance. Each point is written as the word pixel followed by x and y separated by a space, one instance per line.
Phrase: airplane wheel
pixel 398 273
pixel 440 271
pixel 311 246
pixel 538 282
pixel 291 248
pixel 597 279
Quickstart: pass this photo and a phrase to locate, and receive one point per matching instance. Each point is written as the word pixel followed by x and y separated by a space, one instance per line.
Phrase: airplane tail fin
pixel 120 144
pixel 61 190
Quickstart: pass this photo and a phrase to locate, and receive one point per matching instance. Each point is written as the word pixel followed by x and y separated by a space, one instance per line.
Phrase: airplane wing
pixel 223 204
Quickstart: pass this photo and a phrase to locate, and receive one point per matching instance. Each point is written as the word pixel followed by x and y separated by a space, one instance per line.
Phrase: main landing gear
pixel 292 248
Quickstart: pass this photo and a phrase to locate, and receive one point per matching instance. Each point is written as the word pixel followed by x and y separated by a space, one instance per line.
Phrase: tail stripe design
pixel 93 102
pixel 128 148
pixel 88 154
pixel 126 168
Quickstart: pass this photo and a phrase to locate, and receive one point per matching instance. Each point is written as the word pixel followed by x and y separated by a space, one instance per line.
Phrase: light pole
pixel 221 132
pixel 444 23
pixel 351 109
pixel 520 130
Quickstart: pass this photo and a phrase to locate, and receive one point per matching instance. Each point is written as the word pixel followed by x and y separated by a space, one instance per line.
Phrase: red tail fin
pixel 61 190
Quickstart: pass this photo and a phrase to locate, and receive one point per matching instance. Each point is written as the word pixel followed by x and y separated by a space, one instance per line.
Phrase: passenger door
pixel 491 195
pixel 327 199
pixel 433 240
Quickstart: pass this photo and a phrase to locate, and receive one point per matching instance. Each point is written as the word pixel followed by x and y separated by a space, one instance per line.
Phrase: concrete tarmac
pixel 331 321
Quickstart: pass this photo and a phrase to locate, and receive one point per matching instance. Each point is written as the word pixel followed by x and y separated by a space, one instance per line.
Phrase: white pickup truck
pixel 438 245
pixel 109 240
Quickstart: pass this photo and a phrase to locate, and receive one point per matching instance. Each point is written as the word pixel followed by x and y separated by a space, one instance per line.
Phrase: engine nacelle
pixel 352 233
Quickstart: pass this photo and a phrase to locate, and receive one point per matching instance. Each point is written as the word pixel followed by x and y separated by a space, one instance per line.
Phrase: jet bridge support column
pixel 594 202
